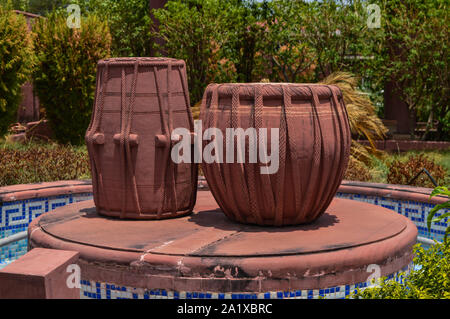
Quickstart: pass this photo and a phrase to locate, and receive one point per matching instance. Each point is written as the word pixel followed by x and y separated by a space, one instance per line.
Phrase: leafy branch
pixel 441 190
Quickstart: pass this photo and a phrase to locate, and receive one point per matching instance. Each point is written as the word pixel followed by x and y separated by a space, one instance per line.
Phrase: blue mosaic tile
pixel 17 215
pixel 111 291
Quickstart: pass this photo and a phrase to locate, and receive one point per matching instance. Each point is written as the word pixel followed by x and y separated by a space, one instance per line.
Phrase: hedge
pixel 66 73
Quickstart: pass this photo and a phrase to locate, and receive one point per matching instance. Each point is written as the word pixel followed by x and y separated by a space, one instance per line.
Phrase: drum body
pixel 313 146
pixel 138 103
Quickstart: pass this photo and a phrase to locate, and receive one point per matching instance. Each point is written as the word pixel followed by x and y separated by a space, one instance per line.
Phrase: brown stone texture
pixel 39 274
pixel 209 233
pixel 139 102
pixel 314 146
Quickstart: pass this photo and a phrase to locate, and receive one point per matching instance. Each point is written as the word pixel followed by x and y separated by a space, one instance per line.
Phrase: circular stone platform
pixel 207 253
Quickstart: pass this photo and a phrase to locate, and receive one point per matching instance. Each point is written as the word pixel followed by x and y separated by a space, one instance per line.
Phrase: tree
pixel 41 7
pixel 66 72
pixel 129 20
pixel 416 56
pixel 17 60
pixel 339 33
pixel 245 24
pixel 129 23
pixel 286 43
pixel 196 31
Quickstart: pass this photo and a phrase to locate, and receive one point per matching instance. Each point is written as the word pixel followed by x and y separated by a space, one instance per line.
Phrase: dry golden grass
pixel 361 112
pixel 362 117
pixel 196 110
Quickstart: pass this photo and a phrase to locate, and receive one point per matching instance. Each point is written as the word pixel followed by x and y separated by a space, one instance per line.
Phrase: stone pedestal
pixel 40 274
pixel 206 254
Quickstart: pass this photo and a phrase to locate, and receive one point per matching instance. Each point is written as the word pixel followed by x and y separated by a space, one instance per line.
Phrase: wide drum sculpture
pixel 313 146
pixel 138 103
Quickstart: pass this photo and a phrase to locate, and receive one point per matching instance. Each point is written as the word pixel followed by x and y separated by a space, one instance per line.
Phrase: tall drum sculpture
pixel 313 147
pixel 138 103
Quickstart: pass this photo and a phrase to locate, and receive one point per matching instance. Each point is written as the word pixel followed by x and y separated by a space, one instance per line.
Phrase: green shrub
pixel 129 22
pixel 41 7
pixel 401 172
pixel 35 163
pixel 443 191
pixel 16 63
pixel 430 281
pixel 66 73
pixel 15 4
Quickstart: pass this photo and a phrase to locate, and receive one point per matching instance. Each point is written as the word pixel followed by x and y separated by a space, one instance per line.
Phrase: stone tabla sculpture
pixel 139 101
pixel 314 144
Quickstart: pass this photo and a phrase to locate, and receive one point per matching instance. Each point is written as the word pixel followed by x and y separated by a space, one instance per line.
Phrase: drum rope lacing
pixel 126 140
pixel 94 128
pixel 344 130
pixel 217 174
pixel 171 165
pixel 194 168
pixel 164 130
pixel 127 165
pixel 235 123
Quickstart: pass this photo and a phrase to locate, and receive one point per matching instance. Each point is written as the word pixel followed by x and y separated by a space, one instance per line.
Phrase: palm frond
pixel 196 110
pixel 361 112
pixel 362 117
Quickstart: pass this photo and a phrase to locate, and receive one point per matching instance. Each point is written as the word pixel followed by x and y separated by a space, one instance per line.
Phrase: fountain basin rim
pixel 266 273
pixel 300 271
pixel 208 233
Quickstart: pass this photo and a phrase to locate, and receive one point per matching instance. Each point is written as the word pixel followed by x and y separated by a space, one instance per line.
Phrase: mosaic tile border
pixel 15 217
pixel 99 290
pixel 417 212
